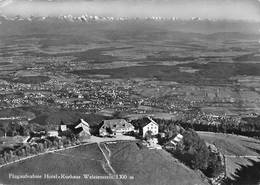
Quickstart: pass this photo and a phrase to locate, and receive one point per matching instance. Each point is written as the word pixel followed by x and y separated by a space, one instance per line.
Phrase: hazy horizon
pixel 213 9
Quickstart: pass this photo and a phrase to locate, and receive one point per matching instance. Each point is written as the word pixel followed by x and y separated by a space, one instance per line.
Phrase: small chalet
pixel 115 127
pixel 174 142
pixel 148 124
pixel 177 139
pixel 82 130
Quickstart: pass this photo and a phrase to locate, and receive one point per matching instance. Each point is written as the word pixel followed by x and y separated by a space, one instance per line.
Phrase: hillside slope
pixel 150 167
pixel 239 150
pixel 147 167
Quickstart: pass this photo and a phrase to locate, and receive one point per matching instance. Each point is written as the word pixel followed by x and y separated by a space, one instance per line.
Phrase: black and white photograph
pixel 129 92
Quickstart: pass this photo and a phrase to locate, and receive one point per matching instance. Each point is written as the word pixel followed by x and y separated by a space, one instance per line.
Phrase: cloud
pixel 184 9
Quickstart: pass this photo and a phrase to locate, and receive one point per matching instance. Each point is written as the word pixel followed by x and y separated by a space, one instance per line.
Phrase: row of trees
pixel 38 146
pixel 243 128
pixel 9 128
pixel 14 128
pixel 247 126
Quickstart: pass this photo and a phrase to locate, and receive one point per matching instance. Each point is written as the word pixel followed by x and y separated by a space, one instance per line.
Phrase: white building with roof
pixel 115 127
pixel 148 124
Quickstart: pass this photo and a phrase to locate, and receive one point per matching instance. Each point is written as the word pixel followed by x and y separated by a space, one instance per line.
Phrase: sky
pixel 182 9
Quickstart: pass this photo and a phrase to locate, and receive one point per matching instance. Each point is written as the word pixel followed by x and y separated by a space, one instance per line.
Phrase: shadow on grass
pixel 246 175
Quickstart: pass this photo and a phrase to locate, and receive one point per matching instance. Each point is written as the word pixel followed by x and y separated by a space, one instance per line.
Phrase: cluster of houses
pixel 72 134
pixel 147 127
pixel 114 128
pixel 107 128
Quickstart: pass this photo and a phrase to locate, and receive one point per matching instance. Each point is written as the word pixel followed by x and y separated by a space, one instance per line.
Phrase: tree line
pixel 10 154
pixel 248 126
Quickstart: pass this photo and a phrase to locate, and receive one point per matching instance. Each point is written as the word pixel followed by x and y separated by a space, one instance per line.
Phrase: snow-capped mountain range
pixel 117 10
pixel 85 18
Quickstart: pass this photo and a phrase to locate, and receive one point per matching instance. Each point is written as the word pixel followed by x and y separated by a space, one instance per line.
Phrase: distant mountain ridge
pixel 111 10
pixel 90 18
pixel 67 24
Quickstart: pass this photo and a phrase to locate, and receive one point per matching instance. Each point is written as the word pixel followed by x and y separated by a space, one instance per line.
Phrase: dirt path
pixel 107 166
pixel 109 152
pixel 106 158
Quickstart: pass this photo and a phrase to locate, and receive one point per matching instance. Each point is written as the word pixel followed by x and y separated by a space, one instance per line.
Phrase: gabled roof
pixel 76 128
pixel 178 138
pixel 145 121
pixel 82 126
pixel 116 123
pixel 79 130
pixel 82 123
pixel 174 140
